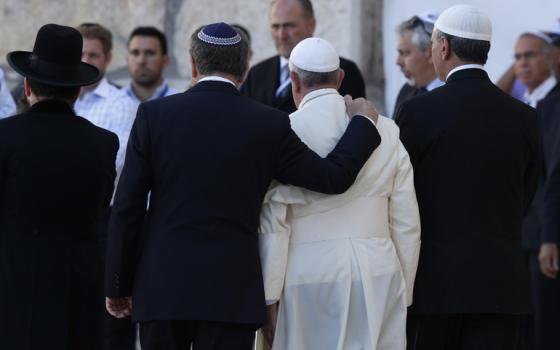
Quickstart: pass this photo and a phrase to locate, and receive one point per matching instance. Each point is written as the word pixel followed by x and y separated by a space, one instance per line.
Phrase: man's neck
pixel 229 77
pixel 531 89
pixel 89 88
pixel 426 79
pixel 145 92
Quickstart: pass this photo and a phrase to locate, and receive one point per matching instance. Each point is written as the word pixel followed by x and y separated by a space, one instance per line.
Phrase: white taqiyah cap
pixel 539 34
pixel 465 21
pixel 553 29
pixel 315 55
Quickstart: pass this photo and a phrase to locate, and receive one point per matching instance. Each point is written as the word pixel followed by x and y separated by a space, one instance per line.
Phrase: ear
pixel 26 87
pixel 194 71
pixel 166 60
pixel 445 49
pixel 109 57
pixel 312 25
pixel 341 75
pixel 296 83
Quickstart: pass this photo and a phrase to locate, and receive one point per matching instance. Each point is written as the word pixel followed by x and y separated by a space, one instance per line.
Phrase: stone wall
pixel 353 26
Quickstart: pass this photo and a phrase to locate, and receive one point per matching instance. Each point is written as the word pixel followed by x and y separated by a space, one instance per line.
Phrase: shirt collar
pixel 434 84
pixel 283 61
pixel 103 89
pixel 462 67
pixel 160 91
pixel 540 92
pixel 217 78
pixel 315 94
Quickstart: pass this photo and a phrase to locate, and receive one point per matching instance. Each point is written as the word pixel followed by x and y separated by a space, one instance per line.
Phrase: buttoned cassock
pixel 342 266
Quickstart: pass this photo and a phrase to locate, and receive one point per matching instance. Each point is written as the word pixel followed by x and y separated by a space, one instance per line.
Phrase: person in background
pixel 146 60
pixel 415 57
pixel 269 81
pixel 7 104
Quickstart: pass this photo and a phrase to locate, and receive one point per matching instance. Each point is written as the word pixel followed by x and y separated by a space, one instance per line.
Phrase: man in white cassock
pixel 340 267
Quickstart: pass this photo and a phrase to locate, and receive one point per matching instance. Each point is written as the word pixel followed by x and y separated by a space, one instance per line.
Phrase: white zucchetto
pixel 315 55
pixel 465 21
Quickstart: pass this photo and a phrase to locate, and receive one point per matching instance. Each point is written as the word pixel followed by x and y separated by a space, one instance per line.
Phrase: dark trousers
pixel 201 335
pixel 463 332
pixel 546 298
pixel 119 334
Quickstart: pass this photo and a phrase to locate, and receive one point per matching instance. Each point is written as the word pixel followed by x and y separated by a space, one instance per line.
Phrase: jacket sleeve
pixel 412 135
pixel 274 237
pixel 128 212
pixel 552 200
pixel 404 220
pixel 300 166
pixel 534 169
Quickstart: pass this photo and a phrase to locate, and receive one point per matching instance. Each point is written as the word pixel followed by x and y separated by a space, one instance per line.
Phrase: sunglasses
pixel 416 21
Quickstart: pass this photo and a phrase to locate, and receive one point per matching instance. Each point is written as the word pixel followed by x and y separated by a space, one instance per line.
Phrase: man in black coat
pixel 547 308
pixel 268 82
pixel 57 174
pixel 207 157
pixel 475 153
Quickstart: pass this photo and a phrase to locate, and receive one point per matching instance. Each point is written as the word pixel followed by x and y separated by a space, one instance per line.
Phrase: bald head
pixel 291 21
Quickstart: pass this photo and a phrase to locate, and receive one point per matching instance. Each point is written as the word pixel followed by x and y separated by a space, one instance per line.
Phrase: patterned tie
pixel 284 81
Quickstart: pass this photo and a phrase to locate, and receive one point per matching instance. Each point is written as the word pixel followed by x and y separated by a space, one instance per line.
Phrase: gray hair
pixel 420 36
pixel 468 50
pixel 546 46
pixel 313 79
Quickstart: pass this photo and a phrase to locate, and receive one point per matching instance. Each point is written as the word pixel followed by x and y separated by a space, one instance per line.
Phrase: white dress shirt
pixel 107 108
pixel 532 98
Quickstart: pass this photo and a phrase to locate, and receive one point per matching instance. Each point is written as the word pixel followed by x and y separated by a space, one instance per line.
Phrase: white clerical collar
pixel 464 66
pixel 217 78
pixel 434 84
pixel 316 94
pixel 540 92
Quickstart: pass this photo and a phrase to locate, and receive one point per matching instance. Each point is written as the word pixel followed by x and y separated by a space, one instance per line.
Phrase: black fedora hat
pixel 56 58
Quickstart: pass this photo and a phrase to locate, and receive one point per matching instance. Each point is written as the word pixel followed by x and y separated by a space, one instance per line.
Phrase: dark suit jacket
pixel 551 107
pixel 208 156
pixel 475 155
pixel 405 93
pixel 549 123
pixel 264 78
pixel 56 177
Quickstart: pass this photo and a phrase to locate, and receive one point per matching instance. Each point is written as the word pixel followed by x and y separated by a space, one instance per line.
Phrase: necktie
pixel 420 91
pixel 284 81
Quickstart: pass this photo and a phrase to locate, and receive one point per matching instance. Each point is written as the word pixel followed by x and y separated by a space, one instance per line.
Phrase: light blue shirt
pixel 7 104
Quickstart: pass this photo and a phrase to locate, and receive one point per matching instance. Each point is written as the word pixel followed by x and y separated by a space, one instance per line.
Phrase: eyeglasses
pixel 416 21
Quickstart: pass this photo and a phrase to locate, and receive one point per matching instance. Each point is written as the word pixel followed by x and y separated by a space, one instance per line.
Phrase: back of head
pixel 153 32
pixel 51 92
pixel 468 31
pixel 316 63
pixel 218 48
pixel 99 32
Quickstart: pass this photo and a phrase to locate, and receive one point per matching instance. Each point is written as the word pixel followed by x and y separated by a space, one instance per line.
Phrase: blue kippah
pixel 219 34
